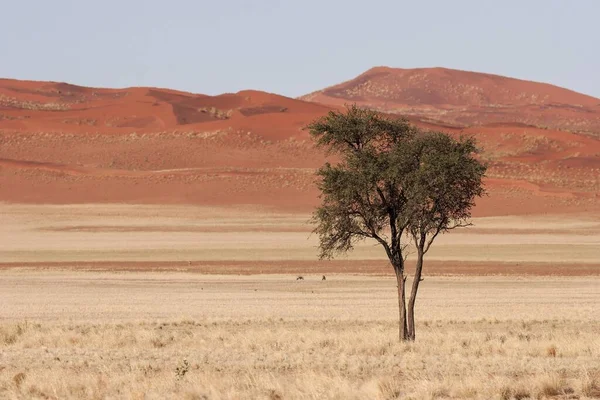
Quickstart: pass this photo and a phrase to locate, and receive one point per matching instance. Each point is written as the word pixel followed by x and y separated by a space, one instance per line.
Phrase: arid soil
pixel 86 296
pixel 252 240
pixel 237 169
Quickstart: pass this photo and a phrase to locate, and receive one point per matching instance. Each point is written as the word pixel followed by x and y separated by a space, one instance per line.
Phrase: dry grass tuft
pixel 390 388
pixel 514 393
pixel 555 386
pixel 591 386
pixel 18 379
pixel 275 395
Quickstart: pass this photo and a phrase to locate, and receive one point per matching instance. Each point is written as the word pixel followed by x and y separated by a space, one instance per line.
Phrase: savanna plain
pixel 111 301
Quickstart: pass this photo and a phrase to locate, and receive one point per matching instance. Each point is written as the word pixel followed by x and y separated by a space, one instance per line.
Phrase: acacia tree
pixel 393 183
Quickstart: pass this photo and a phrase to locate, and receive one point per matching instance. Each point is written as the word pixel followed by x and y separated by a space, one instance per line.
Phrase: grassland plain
pixel 96 335
pixel 76 323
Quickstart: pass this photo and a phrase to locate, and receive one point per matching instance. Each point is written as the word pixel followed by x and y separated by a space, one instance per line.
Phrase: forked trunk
pixel 413 296
pixel 403 331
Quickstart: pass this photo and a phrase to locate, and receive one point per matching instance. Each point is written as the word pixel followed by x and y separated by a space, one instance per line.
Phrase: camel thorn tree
pixel 393 183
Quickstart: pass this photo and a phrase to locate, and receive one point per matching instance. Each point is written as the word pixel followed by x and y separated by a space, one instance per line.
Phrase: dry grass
pixel 167 335
pixel 32 105
pixel 278 359
pixel 88 335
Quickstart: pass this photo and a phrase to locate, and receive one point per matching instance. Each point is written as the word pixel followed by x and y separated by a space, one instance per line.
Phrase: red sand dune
pixel 464 98
pixel 62 143
pixel 60 107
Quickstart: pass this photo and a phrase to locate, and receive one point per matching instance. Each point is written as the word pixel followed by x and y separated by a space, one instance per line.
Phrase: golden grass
pixel 279 359
pixel 168 335
pixel 89 335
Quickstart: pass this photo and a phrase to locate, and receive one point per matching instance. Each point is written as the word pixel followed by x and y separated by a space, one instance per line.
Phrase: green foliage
pixel 392 179
pixel 357 129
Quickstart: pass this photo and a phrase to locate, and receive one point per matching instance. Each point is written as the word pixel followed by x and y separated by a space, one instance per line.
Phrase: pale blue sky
pixel 294 47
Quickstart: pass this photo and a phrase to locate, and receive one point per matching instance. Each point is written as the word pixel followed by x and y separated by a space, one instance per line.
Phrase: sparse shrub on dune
pixel 12 102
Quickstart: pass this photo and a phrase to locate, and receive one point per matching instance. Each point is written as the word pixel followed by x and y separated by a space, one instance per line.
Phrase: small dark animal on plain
pixel 300 278
pixel 323 279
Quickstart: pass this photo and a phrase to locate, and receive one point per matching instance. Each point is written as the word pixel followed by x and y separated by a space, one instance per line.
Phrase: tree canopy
pixel 393 183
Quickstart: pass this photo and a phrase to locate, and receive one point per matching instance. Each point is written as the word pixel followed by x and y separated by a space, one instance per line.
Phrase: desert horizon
pixel 226 200
pixel 146 261
pixel 213 218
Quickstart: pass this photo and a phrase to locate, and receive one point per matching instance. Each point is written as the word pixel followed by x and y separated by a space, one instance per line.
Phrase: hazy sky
pixel 296 46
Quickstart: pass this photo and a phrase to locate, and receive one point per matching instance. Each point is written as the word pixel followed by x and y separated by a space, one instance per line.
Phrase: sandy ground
pixel 250 237
pixel 104 297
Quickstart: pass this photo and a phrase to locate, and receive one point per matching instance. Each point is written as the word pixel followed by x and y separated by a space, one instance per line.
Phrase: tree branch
pixel 430 241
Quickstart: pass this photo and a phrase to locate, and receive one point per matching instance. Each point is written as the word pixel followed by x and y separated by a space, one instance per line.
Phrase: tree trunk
pixel 413 296
pixel 402 303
